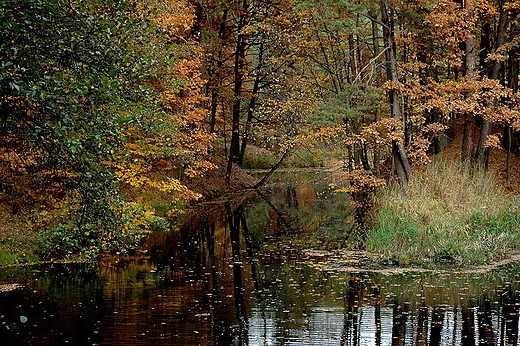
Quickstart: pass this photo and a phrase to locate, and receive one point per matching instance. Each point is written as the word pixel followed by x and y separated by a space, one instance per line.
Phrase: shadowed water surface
pixel 223 278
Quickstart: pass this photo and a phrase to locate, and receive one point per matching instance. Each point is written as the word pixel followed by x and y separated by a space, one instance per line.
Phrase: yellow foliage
pixel 361 181
pixel 417 153
pixel 382 132
pixel 198 168
pixel 434 128
pixel 493 141
pixel 495 57
pixel 389 85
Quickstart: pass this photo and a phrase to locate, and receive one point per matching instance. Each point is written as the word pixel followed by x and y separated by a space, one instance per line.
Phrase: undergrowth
pixel 258 158
pixel 449 213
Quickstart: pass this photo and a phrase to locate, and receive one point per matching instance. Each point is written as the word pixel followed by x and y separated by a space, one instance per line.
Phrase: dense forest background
pixel 115 115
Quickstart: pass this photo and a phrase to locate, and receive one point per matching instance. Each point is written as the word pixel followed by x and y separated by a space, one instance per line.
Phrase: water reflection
pixel 222 279
pixel 377 311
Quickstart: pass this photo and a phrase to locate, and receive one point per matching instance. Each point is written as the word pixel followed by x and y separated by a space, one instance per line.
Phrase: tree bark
pixel 402 164
pixel 252 104
pixel 234 146
pixel 377 51
pixel 468 143
pixel 273 169
pixel 215 74
pixel 512 82
pixel 482 153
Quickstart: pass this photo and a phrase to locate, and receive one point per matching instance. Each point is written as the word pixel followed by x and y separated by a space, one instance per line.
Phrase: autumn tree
pixel 72 86
pixel 173 145
pixel 245 51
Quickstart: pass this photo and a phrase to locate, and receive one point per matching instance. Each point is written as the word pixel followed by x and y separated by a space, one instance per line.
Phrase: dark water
pixel 224 278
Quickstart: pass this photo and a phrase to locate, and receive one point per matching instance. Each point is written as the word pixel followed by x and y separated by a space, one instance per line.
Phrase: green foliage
pixel 257 158
pixel 71 84
pixel 7 258
pixel 336 13
pixel 61 241
pixel 358 103
pixel 67 238
pixel 449 213
pixel 16 241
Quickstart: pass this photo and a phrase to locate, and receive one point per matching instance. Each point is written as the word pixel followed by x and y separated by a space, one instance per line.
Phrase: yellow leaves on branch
pixel 198 168
pixel 485 8
pixel 448 26
pixel 464 95
pixel 389 85
pixel 185 108
pixel 175 186
pixel 515 120
pixel 131 173
pixel 417 151
pixel 322 134
pixel 435 128
pixel 360 180
pixel 145 147
pixel 493 141
pixel 378 133
pixel 135 174
pixel 175 16
pixel 495 57
pixel 13 161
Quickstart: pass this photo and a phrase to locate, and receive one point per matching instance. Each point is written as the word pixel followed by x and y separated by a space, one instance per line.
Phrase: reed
pixel 449 213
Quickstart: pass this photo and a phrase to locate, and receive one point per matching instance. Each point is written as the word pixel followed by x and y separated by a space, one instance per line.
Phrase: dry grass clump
pixel 448 213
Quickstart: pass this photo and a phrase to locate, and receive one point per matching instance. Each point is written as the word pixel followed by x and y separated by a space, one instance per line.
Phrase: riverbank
pixel 428 225
pixel 449 213
pixel 366 262
pixel 17 238
pixel 20 237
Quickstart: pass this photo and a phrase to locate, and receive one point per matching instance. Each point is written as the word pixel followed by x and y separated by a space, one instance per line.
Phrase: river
pixel 230 275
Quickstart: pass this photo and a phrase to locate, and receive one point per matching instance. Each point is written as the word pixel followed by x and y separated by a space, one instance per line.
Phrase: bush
pixel 59 242
pixel 64 239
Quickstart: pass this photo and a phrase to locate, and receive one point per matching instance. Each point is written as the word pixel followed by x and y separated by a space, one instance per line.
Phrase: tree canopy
pixel 105 105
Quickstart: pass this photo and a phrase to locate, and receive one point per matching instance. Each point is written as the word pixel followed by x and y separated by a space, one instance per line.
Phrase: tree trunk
pixel 482 153
pixel 468 143
pixel 428 73
pixel 252 105
pixel 249 122
pixel 273 169
pixel 512 82
pixel 234 145
pixel 402 165
pixel 215 74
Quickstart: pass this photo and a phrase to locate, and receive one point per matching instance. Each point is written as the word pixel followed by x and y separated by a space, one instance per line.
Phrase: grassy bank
pixel 17 240
pixel 448 214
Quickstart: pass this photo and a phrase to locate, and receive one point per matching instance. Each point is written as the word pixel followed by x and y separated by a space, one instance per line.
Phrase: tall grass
pixel 448 213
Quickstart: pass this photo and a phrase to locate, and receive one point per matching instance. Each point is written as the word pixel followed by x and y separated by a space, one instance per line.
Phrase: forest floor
pixel 497 159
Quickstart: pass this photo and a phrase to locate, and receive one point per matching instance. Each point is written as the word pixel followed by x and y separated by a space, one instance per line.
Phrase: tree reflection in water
pixel 222 280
